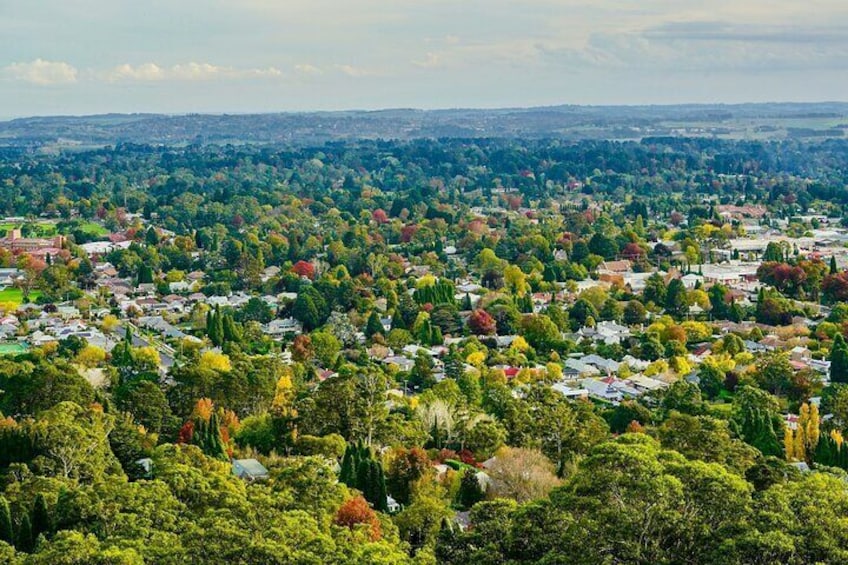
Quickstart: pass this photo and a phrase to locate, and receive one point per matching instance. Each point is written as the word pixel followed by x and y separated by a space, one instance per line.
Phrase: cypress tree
pixel 436 337
pixel 839 360
pixel 435 433
pixel 378 487
pixel 6 533
pixel 346 472
pixel 41 523
pixel 374 326
pixel 231 332
pixel 24 541
pixel 214 441
pixel 466 303
pixel 833 269
pixel 363 472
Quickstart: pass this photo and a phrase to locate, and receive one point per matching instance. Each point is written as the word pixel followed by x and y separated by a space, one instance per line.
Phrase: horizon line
pixel 417 109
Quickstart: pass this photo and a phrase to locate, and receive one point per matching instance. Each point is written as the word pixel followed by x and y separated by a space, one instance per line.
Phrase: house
pixel 570 392
pixel 800 353
pixel 581 367
pixel 608 332
pixel 179 286
pixel 601 390
pixel 603 365
pixel 279 328
pixel 646 384
pixel 617 267
pixel 403 363
pixel 691 280
pixel 250 470
pixel 392 505
pixel 146 465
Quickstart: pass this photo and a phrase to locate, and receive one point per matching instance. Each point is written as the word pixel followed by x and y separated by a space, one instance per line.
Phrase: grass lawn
pixel 40 229
pixel 12 349
pixel 94 229
pixel 17 296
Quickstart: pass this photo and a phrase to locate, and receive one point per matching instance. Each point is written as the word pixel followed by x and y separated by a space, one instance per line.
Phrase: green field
pixel 12 349
pixel 40 229
pixel 48 229
pixel 94 229
pixel 16 295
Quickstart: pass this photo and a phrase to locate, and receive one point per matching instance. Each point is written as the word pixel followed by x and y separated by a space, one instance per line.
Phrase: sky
pixel 176 56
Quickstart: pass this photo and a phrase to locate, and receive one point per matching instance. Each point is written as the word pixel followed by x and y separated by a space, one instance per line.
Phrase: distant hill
pixel 750 121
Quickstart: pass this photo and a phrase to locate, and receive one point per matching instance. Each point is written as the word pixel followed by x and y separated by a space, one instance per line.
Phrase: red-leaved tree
pixel 304 269
pixel 355 511
pixel 482 323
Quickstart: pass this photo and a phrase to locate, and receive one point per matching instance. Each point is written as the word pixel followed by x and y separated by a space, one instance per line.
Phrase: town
pixel 412 342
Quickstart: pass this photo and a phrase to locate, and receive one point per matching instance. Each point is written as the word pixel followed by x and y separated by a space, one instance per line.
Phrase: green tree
pixel 675 298
pixel 470 491
pixel 41 520
pixel 839 360
pixel 581 312
pixel 6 532
pixel 24 540
pixel 757 420
pixel 373 326
pixel 541 333
pixel 634 313
pixel 655 290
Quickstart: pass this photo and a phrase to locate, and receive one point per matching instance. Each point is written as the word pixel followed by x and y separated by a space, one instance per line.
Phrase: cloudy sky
pixel 94 56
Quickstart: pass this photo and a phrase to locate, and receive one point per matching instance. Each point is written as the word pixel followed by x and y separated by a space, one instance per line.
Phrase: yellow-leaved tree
pixel 214 361
pixel 283 409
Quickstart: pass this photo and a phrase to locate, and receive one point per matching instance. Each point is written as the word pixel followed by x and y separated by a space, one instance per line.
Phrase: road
pixel 166 357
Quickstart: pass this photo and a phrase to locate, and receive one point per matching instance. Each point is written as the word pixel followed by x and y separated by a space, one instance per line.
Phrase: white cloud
pixel 186 72
pixel 355 72
pixel 430 61
pixel 147 71
pixel 42 73
pixel 307 69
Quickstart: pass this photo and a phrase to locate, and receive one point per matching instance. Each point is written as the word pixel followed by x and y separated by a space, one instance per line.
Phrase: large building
pixel 17 244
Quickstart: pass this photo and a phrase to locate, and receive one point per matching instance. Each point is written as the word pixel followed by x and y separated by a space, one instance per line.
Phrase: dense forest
pixel 448 297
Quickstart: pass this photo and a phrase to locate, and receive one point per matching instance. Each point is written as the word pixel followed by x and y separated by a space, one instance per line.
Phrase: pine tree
pixel 6 532
pixel 25 541
pixel 839 360
pixel 466 303
pixel 470 491
pixel 41 522
pixel 374 326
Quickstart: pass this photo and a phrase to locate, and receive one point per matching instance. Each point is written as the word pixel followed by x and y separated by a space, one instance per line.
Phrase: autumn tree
pixel 521 474
pixel 356 512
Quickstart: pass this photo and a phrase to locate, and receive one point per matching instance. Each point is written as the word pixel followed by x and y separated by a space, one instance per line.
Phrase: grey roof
pixel 249 468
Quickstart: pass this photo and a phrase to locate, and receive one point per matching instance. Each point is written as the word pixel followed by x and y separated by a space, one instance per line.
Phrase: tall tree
pixel 6 532
pixel 756 416
pixel 41 521
pixel 839 360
